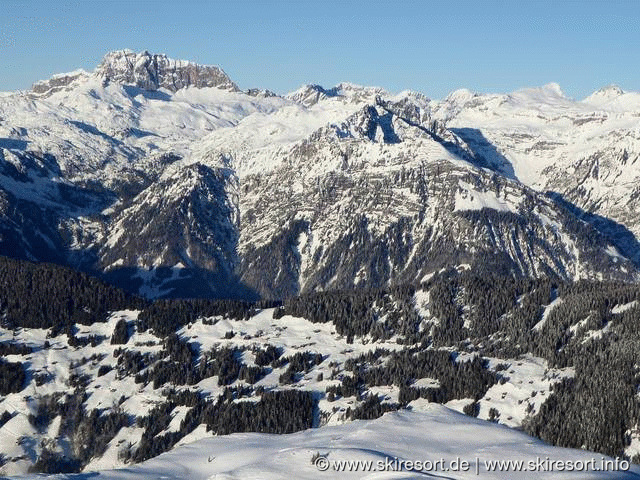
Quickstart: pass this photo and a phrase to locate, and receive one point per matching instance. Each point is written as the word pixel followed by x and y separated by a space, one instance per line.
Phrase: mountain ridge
pixel 307 174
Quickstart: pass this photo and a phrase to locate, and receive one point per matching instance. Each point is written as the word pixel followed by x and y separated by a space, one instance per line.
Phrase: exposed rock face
pixel 58 82
pixel 152 72
pixel 376 215
pixel 182 232
pixel 260 93
pixel 309 95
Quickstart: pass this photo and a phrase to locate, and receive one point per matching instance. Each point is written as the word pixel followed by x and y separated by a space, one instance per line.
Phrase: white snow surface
pixel 430 435
pixel 547 311
pixel 623 308
pixel 468 198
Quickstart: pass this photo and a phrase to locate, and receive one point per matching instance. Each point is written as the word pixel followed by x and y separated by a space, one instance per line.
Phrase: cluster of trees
pixel 371 408
pixel 378 313
pixel 87 433
pixel 598 406
pixel 50 462
pixel 179 365
pixel 131 362
pixel 5 417
pixel 470 304
pixel 267 355
pixel 285 411
pixel 38 295
pixel 75 341
pixel 468 378
pixel 11 348
pixel 120 334
pixel 12 377
pixel 299 362
pixel 166 316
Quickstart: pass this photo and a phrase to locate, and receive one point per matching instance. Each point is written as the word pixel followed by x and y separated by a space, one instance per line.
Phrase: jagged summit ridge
pixel 143 70
pixel 154 71
pixel 311 94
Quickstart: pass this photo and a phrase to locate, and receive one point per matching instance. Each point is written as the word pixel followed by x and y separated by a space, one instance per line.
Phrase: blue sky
pixel 430 46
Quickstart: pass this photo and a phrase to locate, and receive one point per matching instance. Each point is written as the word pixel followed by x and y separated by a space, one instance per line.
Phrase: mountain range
pixel 163 177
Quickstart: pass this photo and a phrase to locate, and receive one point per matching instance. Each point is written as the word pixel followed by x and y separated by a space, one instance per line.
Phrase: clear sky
pixel 430 46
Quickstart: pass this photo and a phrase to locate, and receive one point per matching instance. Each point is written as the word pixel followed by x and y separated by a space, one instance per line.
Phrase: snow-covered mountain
pixel 433 242
pixel 584 151
pixel 163 176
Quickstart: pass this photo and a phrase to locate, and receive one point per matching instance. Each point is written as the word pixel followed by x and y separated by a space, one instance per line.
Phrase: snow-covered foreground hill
pixel 442 439
pixel 105 376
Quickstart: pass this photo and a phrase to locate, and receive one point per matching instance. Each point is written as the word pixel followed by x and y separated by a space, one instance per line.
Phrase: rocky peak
pixel 309 95
pixel 153 71
pixel 261 93
pixel 58 82
pixel 412 108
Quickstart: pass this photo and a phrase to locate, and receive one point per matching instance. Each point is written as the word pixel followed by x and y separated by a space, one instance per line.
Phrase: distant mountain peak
pixel 310 94
pixel 154 71
pixel 551 92
pixel 143 70
pixel 611 90
pixel 460 96
pixel 606 93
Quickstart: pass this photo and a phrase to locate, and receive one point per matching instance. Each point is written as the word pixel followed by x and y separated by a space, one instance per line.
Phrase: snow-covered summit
pixel 550 95
pixel 143 70
pixel 461 96
pixel 154 71
pixel 612 89
pixel 309 95
pixel 609 92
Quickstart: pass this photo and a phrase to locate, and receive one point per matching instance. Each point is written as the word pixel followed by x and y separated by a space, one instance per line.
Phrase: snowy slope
pixel 400 348
pixel 587 150
pixel 435 434
pixel 59 364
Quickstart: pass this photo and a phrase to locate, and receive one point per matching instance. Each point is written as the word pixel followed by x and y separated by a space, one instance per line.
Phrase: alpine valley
pixel 183 258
